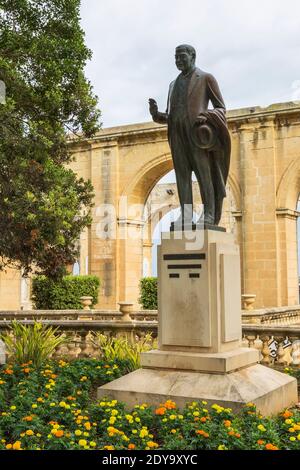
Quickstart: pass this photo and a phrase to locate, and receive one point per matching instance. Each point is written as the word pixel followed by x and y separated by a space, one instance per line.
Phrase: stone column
pixel 130 255
pixel 260 239
pixel 287 229
pixel 103 257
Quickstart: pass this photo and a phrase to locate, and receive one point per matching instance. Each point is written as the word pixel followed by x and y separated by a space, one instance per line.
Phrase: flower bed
pixel 51 408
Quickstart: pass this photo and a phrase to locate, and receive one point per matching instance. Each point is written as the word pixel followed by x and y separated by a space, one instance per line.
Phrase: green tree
pixel 43 205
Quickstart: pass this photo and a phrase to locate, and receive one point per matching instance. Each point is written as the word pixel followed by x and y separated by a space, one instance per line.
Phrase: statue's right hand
pixel 153 108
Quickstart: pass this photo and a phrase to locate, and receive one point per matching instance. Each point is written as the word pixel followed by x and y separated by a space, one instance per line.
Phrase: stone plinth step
pixel 218 363
pixel 270 390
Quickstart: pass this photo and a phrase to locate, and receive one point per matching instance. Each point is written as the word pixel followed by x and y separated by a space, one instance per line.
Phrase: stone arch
pixel 288 188
pixel 146 178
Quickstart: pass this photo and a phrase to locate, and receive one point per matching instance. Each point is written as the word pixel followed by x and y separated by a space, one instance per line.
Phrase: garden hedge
pixel 63 294
pixel 148 293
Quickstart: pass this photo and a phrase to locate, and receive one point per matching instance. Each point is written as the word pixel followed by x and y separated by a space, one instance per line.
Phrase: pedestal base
pixel 270 390
pixel 214 363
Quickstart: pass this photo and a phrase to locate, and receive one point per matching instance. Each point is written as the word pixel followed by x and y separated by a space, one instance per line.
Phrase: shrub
pixel 122 349
pixel 148 293
pixel 63 294
pixel 32 343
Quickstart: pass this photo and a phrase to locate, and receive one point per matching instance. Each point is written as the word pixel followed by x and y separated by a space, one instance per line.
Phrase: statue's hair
pixel 190 49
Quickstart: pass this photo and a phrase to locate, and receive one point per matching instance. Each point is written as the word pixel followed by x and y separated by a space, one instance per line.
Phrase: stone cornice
pixel 281 114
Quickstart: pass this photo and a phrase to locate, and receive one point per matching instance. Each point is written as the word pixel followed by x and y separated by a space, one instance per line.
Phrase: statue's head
pixel 185 57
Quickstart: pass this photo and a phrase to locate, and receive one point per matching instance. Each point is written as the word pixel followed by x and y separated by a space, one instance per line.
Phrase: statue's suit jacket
pixel 203 88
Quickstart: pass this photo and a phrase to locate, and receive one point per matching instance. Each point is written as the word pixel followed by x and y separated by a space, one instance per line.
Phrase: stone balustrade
pixel 274 332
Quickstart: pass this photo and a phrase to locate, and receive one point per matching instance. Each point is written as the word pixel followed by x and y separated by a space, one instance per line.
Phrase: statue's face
pixel 184 61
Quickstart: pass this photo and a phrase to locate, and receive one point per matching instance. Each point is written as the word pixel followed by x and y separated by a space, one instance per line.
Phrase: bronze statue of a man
pixel 198 136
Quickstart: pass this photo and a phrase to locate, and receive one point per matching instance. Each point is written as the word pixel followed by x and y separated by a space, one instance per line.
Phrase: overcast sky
pixel 252 48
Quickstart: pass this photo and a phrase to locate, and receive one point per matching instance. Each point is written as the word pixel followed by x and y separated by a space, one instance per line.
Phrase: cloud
pixel 252 48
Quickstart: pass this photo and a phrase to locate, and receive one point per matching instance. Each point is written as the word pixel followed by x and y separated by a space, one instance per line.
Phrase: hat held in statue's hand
pixel 204 136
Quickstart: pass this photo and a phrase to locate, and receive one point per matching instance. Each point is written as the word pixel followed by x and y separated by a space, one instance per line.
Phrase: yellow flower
pixel 292 438
pixel 204 402
pixel 172 417
pixel 221 447
pixel 93 444
pixel 288 421
pixel 114 412
pixel 298 437
pixel 196 413
pixel 78 432
pixel 137 420
pixel 173 431
pixel 86 434
pixel 143 433
pixel 261 428
pixel 8 446
pixel 13 407
pixel 82 442
pixel 108 448
pixel 291 430
pixel 52 404
pixel 34 405
pixel 87 426
pixel 29 432
pixel 17 445
pixel 83 378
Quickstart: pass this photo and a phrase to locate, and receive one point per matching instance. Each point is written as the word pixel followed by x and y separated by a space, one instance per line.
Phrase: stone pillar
pixel 289 283
pixel 260 239
pixel 103 255
pixel 130 255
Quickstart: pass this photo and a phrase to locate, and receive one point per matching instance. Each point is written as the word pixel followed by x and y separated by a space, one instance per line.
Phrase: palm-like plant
pixel 34 343
pixel 123 349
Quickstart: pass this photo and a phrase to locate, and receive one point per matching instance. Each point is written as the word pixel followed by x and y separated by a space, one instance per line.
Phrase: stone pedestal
pixel 199 355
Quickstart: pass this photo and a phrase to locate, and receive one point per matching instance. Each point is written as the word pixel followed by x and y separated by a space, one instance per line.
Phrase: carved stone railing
pixel 279 316
pixel 274 332
pixel 97 315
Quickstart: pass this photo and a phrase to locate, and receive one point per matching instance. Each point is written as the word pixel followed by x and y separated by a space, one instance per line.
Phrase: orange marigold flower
pixel 237 435
pixel 26 370
pixel 271 447
pixel 8 371
pixel 287 414
pixel 260 442
pixel 17 445
pixel 202 433
pixel 160 411
pixel 231 433
pixel 27 418
pixel 131 446
pixel 170 405
pixel 59 433
pixel 227 423
pixel 203 419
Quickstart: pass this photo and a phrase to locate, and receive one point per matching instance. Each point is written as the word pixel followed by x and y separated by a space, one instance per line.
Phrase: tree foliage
pixel 43 205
